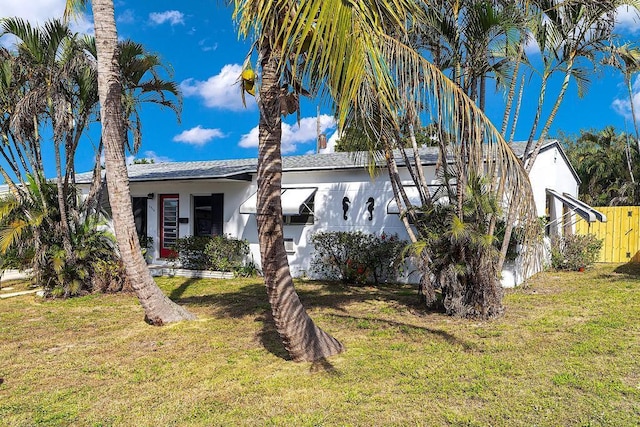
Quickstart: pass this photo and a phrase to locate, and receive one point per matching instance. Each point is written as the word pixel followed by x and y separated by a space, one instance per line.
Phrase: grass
pixel 567 352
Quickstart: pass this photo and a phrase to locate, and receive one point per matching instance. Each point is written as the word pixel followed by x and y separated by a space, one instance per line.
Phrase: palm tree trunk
pixel 633 109
pixel 516 114
pixel 545 130
pixel 536 119
pixel 405 209
pixel 425 196
pixel 302 339
pixel 93 198
pixel 62 206
pixel 157 307
pixel 511 93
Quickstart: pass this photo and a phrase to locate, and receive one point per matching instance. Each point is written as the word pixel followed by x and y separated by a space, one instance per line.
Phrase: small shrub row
pixel 357 257
pixel 217 253
pixel 575 251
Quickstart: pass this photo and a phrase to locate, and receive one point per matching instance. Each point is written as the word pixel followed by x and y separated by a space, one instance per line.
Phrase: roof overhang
pixel 579 207
pixel 294 201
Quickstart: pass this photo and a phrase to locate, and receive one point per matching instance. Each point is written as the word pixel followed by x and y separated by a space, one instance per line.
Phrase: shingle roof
pixel 242 168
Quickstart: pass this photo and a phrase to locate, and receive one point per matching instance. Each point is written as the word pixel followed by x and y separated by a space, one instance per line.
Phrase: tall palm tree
pixel 626 58
pixel 571 37
pixel 356 55
pixel 47 63
pixel 472 40
pixel 158 308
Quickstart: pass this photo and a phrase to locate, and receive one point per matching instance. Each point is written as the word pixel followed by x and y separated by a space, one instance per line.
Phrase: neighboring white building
pixel 321 192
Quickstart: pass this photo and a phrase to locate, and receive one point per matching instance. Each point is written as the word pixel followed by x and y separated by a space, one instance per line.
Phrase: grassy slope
pixel 567 352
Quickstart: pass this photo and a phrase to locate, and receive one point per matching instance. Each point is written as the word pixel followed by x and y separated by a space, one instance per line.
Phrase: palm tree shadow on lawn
pixel 631 269
pixel 251 300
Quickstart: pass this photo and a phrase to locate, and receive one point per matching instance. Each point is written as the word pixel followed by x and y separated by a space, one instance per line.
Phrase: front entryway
pixel 169 211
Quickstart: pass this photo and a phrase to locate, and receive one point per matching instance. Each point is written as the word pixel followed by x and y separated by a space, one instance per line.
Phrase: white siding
pixel 550 171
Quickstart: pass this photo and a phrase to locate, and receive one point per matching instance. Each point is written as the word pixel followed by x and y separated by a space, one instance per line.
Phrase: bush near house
pixel 357 257
pixel 215 253
pixel 575 251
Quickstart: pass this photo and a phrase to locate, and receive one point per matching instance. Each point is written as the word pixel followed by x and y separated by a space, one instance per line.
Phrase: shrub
pixel 218 253
pixel 575 251
pixel 457 255
pixel 356 257
pixel 191 252
pixel 110 276
pixel 226 253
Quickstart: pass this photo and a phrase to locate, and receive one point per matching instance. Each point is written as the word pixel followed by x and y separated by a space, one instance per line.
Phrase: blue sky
pixel 197 39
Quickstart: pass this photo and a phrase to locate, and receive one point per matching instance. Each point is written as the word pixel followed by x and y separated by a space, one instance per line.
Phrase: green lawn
pixel 567 352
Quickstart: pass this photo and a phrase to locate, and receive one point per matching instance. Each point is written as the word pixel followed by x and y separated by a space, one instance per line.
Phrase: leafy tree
pixel 355 139
pixel 143 161
pixel 464 257
pixel 600 158
pixel 158 308
pixel 358 56
pixel 30 230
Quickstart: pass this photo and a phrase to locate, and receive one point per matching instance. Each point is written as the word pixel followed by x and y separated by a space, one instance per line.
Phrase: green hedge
pixel 357 257
pixel 217 253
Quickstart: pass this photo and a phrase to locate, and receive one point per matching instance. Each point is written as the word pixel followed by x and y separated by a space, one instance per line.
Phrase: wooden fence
pixel 620 233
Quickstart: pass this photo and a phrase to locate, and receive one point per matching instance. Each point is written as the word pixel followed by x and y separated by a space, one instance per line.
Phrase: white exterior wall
pixel 235 192
pixel 332 185
pixel 551 170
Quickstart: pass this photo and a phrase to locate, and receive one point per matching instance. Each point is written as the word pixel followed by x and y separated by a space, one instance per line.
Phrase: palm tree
pixel 358 57
pixel 571 36
pixel 626 58
pixel 472 40
pixel 30 231
pixel 158 308
pixel 46 65
pixel 599 158
pixel 142 83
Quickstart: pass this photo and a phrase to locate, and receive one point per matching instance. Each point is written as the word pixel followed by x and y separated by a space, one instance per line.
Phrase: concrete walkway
pixel 13 275
pixel 4 295
pixel 8 275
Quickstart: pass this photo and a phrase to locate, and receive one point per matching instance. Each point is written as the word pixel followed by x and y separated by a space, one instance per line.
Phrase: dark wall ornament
pixel 370 207
pixel 345 207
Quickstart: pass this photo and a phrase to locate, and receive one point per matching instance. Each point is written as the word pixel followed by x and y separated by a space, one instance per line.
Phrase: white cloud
pixel 156 157
pixel 220 91
pixel 627 19
pixel 198 136
pixel 126 17
pixel 82 25
pixel 37 12
pixel 207 46
pixel 173 17
pixel 622 106
pixel 294 134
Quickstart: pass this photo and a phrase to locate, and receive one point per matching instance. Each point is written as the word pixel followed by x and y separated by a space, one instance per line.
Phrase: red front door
pixel 169 209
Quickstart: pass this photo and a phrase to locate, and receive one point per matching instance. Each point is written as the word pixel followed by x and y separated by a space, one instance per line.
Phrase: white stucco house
pixel 328 192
